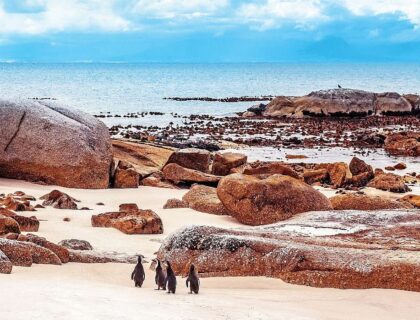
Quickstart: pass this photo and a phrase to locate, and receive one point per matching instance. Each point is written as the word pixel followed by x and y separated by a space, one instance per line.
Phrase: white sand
pixel 105 291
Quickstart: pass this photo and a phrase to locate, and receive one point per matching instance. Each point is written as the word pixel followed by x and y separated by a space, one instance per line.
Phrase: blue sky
pixel 209 30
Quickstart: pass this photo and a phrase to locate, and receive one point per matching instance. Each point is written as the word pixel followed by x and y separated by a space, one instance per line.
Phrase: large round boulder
pixel 256 201
pixel 44 141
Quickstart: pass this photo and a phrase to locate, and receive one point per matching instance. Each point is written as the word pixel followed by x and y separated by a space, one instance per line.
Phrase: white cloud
pixel 58 15
pixel 407 9
pixel 53 16
pixel 170 9
pixel 272 13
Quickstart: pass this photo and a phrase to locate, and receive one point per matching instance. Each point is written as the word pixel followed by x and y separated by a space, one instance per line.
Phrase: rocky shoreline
pixel 293 216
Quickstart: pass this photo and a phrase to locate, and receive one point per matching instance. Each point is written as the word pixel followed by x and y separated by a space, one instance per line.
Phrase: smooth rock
pixel 257 201
pixel 47 142
pixel 204 199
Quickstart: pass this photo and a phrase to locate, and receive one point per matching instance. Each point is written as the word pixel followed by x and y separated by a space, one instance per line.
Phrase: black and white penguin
pixel 160 277
pixel 138 274
pixel 170 280
pixel 193 280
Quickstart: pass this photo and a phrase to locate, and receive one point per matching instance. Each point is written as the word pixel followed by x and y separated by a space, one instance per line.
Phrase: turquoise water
pixel 121 88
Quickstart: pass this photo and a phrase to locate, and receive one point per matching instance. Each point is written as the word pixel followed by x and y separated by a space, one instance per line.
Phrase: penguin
pixel 170 280
pixel 193 280
pixel 138 274
pixel 160 277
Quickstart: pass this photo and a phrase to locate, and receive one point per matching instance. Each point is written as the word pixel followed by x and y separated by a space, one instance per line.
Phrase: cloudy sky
pixel 209 30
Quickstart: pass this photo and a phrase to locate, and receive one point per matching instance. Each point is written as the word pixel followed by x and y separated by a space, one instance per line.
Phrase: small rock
pixel 400 166
pixel 59 200
pixel 175 204
pixel 75 244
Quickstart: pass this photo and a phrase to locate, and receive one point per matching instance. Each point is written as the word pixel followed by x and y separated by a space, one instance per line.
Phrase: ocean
pixel 122 88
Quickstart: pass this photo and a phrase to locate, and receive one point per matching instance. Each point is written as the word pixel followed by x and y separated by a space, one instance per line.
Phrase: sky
pixel 209 31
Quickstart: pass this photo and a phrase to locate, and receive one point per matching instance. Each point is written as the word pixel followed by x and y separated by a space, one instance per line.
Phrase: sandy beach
pixel 105 291
pixel 252 159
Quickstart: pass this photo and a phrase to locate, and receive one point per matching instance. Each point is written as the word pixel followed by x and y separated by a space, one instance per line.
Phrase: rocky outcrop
pixel 403 144
pixel 204 199
pixel 389 182
pixel 338 249
pixel 342 102
pixel 353 201
pixel 191 158
pixel 256 201
pixel 336 102
pixel 223 163
pixel 125 176
pixel 145 159
pixel 59 200
pixel 44 141
pixel 177 174
pixel 130 220
pixel 75 244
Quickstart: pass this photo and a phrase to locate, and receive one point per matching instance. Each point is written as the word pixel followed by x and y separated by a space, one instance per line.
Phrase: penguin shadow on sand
pixel 138 275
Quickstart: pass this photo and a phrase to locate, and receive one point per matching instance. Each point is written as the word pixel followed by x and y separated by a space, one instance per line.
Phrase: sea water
pixel 122 88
